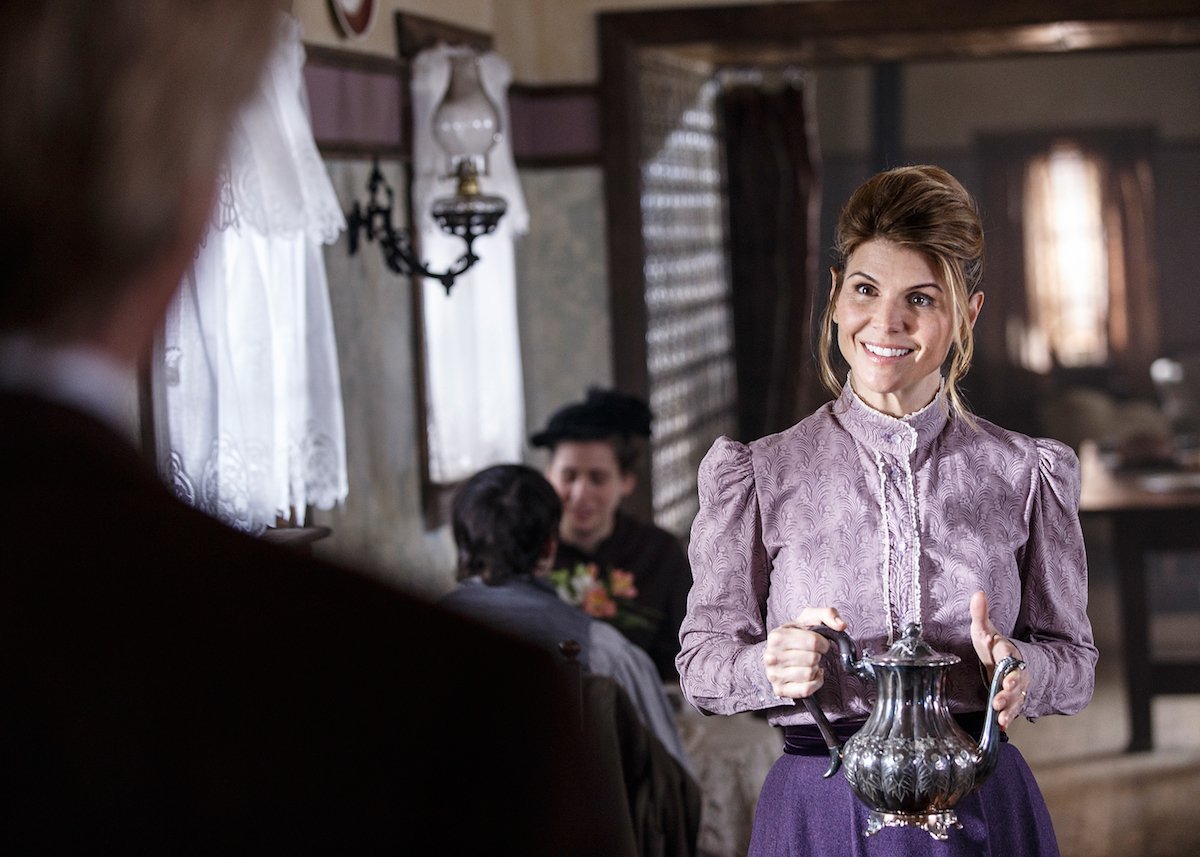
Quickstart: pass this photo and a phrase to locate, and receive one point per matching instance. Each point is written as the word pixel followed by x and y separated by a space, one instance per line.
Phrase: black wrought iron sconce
pixel 466 126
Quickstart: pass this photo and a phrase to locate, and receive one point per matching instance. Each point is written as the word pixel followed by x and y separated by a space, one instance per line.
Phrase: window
pixel 1071 274
pixel 689 324
pixel 473 383
pixel 1071 238
pixel 1066 262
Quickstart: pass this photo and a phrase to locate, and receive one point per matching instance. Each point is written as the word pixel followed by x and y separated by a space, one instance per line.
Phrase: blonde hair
pixel 115 112
pixel 926 209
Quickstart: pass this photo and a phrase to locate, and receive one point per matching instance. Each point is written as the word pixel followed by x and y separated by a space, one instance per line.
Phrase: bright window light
pixel 1066 262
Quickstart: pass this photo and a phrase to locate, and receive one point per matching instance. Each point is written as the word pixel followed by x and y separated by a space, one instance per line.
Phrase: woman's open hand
pixel 992 647
pixel 792 657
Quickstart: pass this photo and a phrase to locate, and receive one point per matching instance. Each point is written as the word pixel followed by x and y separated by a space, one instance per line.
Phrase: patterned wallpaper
pixel 562 290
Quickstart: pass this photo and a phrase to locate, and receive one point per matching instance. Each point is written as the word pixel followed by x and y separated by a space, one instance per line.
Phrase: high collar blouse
pixel 890 521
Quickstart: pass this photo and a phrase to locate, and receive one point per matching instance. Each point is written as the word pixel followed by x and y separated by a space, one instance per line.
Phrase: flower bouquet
pixel 605 596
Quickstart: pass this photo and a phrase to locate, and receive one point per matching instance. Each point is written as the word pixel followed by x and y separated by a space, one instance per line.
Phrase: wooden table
pixel 297 538
pixel 1165 518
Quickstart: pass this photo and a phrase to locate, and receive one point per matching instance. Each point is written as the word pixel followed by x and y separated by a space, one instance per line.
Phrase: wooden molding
pixel 353 150
pixel 415 33
pixel 356 60
pixel 881 31
pixel 555 126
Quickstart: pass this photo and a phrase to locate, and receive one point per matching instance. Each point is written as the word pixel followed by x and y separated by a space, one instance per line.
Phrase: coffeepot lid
pixel 912 650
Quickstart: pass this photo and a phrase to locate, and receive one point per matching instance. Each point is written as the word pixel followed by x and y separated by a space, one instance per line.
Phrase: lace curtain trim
pixel 276 182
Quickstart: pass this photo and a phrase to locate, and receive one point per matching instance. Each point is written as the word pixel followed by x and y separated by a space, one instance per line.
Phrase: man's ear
pixel 628 483
pixel 545 558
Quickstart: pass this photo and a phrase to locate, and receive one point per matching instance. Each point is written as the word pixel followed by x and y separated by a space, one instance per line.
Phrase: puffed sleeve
pixel 723 634
pixel 1052 630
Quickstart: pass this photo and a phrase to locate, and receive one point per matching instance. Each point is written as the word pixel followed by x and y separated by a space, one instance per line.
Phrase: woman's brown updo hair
pixel 926 209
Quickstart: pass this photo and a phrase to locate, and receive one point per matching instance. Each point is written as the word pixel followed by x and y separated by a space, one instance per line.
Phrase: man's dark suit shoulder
pixel 185 686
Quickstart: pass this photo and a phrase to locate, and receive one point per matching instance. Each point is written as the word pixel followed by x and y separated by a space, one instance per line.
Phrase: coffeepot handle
pixel 848 655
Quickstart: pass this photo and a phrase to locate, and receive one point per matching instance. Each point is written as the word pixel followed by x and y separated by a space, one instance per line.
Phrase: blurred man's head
pixel 505 518
pixel 116 117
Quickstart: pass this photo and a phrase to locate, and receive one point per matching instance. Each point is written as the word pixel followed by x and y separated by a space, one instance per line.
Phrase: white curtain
pixel 1066 260
pixel 475 395
pixel 248 403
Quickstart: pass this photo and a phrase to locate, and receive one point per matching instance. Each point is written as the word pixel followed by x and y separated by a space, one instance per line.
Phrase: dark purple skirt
pixel 799 814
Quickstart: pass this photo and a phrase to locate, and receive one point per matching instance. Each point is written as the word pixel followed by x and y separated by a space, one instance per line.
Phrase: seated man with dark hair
pixel 635 772
pixel 505 522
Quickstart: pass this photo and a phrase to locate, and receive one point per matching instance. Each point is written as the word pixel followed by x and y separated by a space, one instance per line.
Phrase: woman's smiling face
pixel 895 324
pixel 589 481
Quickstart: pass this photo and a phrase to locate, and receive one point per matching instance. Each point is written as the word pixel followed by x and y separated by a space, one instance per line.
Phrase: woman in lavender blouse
pixel 891 504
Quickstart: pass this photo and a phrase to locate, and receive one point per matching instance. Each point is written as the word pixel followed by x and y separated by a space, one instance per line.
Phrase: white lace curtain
pixel 248 403
pixel 475 395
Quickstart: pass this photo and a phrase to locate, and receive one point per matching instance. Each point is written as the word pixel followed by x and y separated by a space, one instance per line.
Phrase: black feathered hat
pixel 604 413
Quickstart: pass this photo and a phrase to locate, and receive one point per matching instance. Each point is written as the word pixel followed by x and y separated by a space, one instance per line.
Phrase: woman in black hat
pixel 628 572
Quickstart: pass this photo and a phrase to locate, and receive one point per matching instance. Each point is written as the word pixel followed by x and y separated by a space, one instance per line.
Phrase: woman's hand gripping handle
pixel 792 659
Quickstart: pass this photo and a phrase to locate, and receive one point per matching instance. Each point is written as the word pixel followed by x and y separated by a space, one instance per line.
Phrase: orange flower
pixel 597 603
pixel 622 585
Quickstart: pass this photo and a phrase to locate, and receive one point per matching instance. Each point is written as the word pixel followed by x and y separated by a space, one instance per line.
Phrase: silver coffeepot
pixel 911 762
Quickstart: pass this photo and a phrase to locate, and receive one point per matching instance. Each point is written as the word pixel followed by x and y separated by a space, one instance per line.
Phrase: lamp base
pixel 470 215
pixel 465 215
